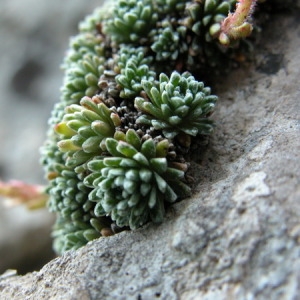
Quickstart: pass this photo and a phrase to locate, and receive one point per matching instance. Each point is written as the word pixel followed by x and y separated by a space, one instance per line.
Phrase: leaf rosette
pixel 84 129
pixel 178 104
pixel 133 185
pixel 134 67
pixel 132 21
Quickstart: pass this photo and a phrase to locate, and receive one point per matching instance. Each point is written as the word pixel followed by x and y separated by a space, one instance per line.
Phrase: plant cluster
pixel 132 104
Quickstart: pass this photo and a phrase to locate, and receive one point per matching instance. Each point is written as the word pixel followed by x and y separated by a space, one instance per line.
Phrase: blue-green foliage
pixel 84 65
pixel 134 67
pixel 132 21
pixel 133 183
pixel 112 153
pixel 167 42
pixel 177 104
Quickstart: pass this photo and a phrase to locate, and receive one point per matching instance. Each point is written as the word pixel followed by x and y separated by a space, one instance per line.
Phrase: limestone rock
pixel 238 236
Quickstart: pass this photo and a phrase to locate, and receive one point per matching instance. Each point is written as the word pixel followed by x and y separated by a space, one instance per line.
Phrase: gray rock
pixel 25 242
pixel 238 236
pixel 34 36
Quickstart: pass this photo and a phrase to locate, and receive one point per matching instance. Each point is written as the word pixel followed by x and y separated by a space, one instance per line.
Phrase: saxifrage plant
pixel 132 105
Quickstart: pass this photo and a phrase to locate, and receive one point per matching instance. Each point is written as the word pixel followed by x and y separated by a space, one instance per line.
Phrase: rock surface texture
pixel 238 236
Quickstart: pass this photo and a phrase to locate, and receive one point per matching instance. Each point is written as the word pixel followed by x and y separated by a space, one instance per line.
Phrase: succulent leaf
pixel 132 20
pixel 91 124
pixel 168 43
pixel 172 106
pixel 68 197
pixel 142 182
pixel 134 68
